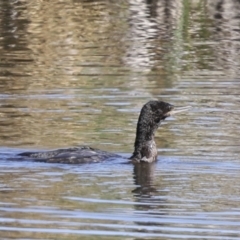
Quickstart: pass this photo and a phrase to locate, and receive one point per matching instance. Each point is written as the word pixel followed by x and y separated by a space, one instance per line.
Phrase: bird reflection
pixel 143 175
pixel 147 201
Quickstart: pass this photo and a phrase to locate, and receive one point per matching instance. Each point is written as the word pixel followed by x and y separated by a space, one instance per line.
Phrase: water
pixel 78 72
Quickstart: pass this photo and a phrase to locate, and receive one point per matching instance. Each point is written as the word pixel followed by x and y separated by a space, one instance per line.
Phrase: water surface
pixel 78 72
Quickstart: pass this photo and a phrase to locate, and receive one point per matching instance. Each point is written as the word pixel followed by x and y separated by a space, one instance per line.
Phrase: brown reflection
pixel 225 16
pixel 151 31
pixel 12 25
pixel 13 47
pixel 60 93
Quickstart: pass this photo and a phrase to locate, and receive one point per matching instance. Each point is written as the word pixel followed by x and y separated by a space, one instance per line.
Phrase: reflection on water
pixel 78 72
pixel 172 199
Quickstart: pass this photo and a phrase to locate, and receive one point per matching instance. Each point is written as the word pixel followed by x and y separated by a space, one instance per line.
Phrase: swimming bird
pixel 145 150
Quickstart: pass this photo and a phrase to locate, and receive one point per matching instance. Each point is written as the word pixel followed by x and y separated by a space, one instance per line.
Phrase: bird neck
pixel 145 147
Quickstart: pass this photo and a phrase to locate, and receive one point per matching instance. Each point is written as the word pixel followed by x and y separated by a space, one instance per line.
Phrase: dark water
pixel 78 72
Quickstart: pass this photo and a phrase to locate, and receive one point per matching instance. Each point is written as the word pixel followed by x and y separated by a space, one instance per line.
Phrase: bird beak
pixel 177 110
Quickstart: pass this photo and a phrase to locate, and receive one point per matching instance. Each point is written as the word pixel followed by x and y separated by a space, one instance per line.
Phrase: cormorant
pixel 145 149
